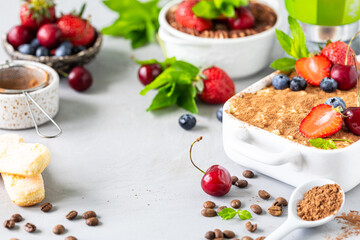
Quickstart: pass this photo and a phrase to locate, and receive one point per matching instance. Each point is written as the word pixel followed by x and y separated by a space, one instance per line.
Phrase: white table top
pixel 131 166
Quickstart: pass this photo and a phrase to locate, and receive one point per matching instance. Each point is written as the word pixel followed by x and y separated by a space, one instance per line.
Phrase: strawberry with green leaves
pixel 218 9
pixel 180 82
pixel 35 13
pixel 185 16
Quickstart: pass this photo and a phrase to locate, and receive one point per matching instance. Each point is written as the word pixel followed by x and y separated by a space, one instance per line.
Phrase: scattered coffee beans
pixel 264 194
pixel 208 212
pixel 235 204
pixel 209 204
pixel 93 221
pixel 282 201
pixel 29 227
pixel 246 238
pixel 16 218
pixel 88 214
pixel 248 174
pixel 71 215
pixel 275 210
pixel 210 235
pixel 59 229
pixel 256 209
pixel 9 224
pixel 220 208
pixel 260 238
pixel 46 207
pixel 228 234
pixel 234 179
pixel 250 227
pixel 218 233
pixel 241 183
pixel 70 238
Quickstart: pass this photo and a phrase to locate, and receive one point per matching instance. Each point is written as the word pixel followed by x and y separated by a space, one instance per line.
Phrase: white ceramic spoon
pixel 294 221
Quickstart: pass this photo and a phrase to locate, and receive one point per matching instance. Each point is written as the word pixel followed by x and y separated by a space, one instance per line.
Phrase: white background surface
pixel 131 166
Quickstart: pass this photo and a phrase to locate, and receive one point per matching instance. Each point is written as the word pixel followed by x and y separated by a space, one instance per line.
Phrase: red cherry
pixel 49 35
pixel 80 79
pixel 19 35
pixel 216 180
pixel 352 119
pixel 345 75
pixel 147 73
pixel 244 19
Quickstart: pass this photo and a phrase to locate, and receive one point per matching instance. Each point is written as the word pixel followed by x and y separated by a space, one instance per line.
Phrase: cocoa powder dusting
pixel 350 225
pixel 320 202
pixel 281 111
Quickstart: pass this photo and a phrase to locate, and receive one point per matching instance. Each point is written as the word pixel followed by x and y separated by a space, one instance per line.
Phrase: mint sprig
pixel 229 213
pixel 137 21
pixel 176 85
pixel 326 144
pixel 295 47
pixel 216 8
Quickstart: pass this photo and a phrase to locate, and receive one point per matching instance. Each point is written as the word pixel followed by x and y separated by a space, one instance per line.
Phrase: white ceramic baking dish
pixel 283 159
pixel 239 57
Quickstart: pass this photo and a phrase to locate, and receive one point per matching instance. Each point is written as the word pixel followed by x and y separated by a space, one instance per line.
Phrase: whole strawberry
pixel 35 13
pixel 76 30
pixel 186 18
pixel 218 86
pixel 336 53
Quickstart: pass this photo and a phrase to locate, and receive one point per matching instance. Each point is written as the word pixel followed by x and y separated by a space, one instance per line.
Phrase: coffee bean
pixel 275 210
pixel 29 227
pixel 282 201
pixel 235 204
pixel 220 208
pixel 228 234
pixel 59 229
pixel 256 209
pixel 218 233
pixel 250 227
pixel 16 218
pixel 248 174
pixel 70 238
pixel 9 224
pixel 208 212
pixel 260 238
pixel 276 203
pixel 264 194
pixel 234 179
pixel 93 221
pixel 241 183
pixel 46 207
pixel 209 204
pixel 88 214
pixel 71 215
pixel 246 238
pixel 210 235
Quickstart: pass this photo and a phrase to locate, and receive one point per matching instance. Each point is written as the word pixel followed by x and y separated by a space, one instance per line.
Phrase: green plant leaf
pixel 186 99
pixel 244 214
pixel 227 213
pixel 284 64
pixel 326 144
pixel 298 47
pixel 206 9
pixel 284 40
pixel 162 100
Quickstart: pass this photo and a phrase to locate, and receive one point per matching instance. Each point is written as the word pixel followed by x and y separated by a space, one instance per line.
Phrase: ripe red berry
pixel 80 79
pixel 352 120
pixel 147 73
pixel 49 35
pixel 19 35
pixel 244 19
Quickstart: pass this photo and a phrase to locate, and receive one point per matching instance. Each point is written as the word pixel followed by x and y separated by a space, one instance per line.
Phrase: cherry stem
pixel 62 73
pixel 357 80
pixel 348 48
pixel 197 140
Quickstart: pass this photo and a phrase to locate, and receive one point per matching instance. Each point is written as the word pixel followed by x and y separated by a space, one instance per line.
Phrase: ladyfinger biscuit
pixel 11 138
pixel 24 191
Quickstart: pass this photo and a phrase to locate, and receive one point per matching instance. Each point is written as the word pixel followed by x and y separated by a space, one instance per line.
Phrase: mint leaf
pixel 284 40
pixel 186 99
pixel 244 214
pixel 332 144
pixel 284 64
pixel 206 9
pixel 298 47
pixel 326 143
pixel 162 99
pixel 227 213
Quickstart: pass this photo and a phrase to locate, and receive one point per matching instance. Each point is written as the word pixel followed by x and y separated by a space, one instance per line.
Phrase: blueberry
pixel 219 114
pixel 42 51
pixel 35 43
pixel 26 49
pixel 280 81
pixel 63 50
pixel 78 49
pixel 336 102
pixel 298 84
pixel 328 85
pixel 187 121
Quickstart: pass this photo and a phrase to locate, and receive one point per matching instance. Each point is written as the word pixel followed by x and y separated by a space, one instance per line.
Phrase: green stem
pixel 348 49
pixel 357 79
pixel 343 140
pixel 162 45
pixel 62 73
pixel 197 140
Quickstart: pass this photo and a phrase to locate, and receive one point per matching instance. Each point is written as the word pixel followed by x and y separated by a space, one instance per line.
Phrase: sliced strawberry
pixel 313 69
pixel 322 121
